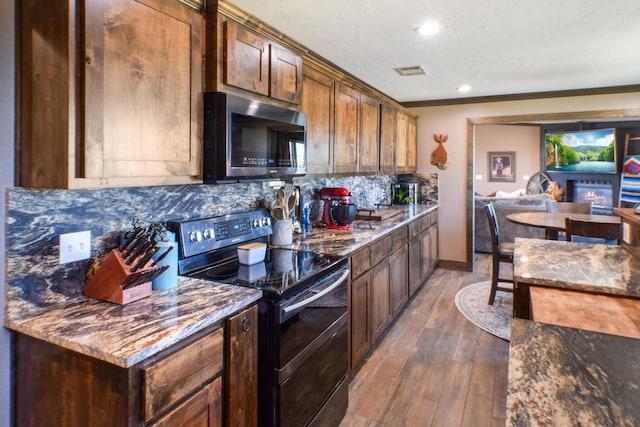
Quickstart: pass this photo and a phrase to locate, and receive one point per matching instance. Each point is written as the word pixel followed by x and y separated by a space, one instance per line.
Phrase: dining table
pixel 554 222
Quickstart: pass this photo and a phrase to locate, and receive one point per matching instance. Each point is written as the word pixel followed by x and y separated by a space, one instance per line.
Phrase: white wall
pixel 452 120
pixel 7 118
pixel 524 141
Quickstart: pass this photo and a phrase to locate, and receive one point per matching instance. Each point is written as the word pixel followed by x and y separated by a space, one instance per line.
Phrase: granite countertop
pixel 565 376
pixel 339 242
pixel 127 334
pixel 602 269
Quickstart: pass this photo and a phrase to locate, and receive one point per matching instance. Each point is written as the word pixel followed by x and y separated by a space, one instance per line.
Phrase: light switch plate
pixel 75 246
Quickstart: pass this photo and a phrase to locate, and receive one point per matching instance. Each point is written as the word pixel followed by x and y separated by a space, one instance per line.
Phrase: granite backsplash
pixel 35 219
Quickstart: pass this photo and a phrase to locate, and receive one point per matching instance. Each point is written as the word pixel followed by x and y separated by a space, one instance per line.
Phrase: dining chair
pixel 569 207
pixel 606 231
pixel 501 252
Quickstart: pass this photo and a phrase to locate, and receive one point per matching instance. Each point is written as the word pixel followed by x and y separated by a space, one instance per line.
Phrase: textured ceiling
pixel 499 47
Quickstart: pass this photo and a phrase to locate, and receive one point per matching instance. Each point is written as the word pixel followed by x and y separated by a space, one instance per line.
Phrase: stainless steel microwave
pixel 248 139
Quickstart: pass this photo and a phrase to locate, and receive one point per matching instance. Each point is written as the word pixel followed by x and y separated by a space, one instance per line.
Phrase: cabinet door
pixel 402 129
pixel 285 82
pixel 317 103
pixel 415 255
pixel 246 57
pixel 143 89
pixel 425 254
pixel 204 409
pixel 359 312
pixel 380 311
pixel 398 280
pixel 433 252
pixel 369 134
pixel 242 369
pixel 347 129
pixel 412 145
pixel 387 139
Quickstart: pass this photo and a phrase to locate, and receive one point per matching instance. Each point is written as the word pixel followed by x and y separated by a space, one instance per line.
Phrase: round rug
pixel 472 300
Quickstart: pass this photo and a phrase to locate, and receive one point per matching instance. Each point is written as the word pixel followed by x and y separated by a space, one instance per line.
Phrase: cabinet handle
pixel 87 59
pixel 246 324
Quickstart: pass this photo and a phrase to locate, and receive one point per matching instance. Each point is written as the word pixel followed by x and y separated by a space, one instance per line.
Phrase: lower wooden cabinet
pixel 380 313
pixel 188 384
pixel 360 338
pixel 398 283
pixel 203 409
pixel 384 275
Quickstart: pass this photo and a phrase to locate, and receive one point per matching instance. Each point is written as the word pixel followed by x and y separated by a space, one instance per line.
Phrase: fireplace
pixel 599 193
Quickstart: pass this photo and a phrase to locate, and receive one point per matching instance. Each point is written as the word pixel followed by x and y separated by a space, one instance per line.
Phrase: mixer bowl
pixel 343 213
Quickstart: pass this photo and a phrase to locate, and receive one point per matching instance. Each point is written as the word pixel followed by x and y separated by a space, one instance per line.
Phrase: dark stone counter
pixel 571 377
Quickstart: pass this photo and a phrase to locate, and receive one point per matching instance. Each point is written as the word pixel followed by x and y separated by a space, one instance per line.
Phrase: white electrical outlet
pixel 75 246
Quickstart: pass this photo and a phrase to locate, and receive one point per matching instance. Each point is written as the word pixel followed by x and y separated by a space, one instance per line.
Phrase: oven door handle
pixel 294 307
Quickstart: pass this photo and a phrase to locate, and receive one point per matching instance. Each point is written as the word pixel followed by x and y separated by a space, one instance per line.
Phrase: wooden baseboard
pixel 453 265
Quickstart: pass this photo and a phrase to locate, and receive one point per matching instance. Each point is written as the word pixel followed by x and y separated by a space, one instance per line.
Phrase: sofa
pixel 508 230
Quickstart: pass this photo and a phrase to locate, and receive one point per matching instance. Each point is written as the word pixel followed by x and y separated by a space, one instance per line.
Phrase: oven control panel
pixel 198 236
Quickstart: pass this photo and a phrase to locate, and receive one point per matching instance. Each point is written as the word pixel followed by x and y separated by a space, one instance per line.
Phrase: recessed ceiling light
pixel 464 88
pixel 414 70
pixel 429 29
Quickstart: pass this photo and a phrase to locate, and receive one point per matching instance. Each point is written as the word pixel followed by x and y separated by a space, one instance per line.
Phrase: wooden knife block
pixel 107 284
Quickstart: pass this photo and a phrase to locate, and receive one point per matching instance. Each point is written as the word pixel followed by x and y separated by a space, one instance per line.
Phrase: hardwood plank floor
pixel 433 367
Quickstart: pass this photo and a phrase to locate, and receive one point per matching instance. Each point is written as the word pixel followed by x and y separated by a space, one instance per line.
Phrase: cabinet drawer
pixel 175 376
pixel 425 222
pixel 414 228
pixel 360 262
pixel 381 249
pixel 398 239
pixel 434 217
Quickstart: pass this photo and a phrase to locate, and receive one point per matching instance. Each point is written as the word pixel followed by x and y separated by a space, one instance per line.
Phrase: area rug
pixel 472 300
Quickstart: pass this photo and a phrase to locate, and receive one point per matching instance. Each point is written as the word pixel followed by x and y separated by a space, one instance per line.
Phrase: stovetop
pixel 208 250
pixel 282 271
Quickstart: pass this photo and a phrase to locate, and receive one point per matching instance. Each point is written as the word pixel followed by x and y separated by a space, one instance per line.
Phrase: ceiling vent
pixel 416 70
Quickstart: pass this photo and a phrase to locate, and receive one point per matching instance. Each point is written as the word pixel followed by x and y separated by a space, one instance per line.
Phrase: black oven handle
pixel 293 307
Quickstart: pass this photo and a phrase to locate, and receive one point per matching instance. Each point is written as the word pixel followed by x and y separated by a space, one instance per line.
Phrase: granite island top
pixel 584 267
pixel 564 376
pixel 127 334
pixel 339 242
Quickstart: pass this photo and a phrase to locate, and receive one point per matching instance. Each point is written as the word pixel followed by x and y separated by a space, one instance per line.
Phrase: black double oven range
pixel 302 320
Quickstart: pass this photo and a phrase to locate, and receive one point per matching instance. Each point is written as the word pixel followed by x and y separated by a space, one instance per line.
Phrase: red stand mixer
pixel 338 213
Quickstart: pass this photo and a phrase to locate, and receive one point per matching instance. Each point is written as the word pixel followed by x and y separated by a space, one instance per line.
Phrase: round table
pixel 554 222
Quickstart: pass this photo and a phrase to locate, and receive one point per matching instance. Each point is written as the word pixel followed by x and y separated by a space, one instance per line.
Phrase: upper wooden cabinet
pixel 406 143
pixel 110 94
pixel 369 134
pixel 253 62
pixel 317 103
pixel 246 59
pixel 387 139
pixel 357 131
pixel 347 129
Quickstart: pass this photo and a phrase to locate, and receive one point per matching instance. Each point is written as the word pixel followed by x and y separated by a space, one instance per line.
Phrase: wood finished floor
pixel 433 367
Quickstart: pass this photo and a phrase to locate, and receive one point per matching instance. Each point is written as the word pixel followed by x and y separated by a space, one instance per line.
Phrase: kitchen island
pixel 608 270
pixel 565 376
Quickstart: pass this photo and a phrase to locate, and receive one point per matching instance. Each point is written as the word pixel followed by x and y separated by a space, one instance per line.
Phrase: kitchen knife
pixel 144 259
pixel 161 257
pixel 133 236
pixel 139 250
pixel 135 245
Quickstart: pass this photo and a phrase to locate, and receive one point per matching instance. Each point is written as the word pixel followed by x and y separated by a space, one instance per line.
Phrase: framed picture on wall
pixel 501 166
